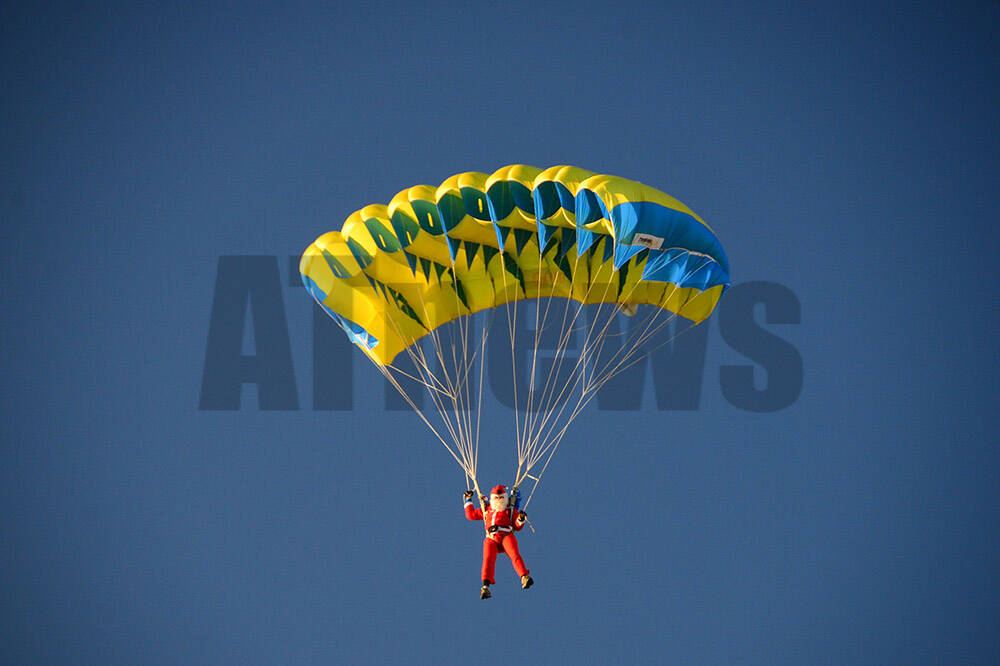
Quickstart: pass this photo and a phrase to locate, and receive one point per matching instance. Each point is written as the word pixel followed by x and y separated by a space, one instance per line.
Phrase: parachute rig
pixel 560 253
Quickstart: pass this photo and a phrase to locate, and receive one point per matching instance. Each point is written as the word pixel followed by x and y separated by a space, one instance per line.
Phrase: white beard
pixel 498 503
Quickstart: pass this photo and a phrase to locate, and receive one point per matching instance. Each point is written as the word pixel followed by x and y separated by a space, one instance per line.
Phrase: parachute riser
pixel 515 498
pixel 479 498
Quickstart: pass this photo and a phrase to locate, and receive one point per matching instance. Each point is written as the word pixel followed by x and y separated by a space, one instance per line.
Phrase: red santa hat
pixel 499 490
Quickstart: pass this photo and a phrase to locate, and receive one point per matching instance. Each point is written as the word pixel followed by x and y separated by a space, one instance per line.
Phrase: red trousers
pixel 508 542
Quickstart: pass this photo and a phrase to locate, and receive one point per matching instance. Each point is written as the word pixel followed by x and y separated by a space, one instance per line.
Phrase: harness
pixel 505 529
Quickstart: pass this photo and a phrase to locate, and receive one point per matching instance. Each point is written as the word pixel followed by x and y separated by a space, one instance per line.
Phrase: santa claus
pixel 501 520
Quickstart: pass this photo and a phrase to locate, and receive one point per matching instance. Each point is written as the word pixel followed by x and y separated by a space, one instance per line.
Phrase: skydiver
pixel 502 520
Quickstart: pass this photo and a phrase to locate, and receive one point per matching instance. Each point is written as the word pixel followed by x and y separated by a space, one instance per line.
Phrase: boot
pixel 485 592
pixel 526 582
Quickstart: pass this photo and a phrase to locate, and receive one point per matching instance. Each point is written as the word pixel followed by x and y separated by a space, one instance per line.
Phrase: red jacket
pixel 505 522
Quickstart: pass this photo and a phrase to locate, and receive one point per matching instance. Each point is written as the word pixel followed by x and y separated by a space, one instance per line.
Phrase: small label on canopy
pixel 647 240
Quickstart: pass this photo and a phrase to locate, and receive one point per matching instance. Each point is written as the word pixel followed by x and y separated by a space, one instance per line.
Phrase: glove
pixel 522 516
pixel 467 495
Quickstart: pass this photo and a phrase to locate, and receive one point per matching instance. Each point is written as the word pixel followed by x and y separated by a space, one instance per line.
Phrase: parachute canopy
pixel 394 273
pixel 594 245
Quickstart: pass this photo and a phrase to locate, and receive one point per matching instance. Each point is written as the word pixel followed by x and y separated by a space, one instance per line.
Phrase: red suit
pixel 504 524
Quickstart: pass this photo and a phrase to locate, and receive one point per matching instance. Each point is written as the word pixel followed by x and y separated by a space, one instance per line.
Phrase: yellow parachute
pixel 395 275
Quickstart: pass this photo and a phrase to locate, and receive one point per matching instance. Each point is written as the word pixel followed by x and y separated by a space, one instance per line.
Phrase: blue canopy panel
pixel 667 234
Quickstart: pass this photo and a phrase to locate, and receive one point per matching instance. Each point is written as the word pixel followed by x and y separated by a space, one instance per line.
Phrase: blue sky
pixel 847 151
